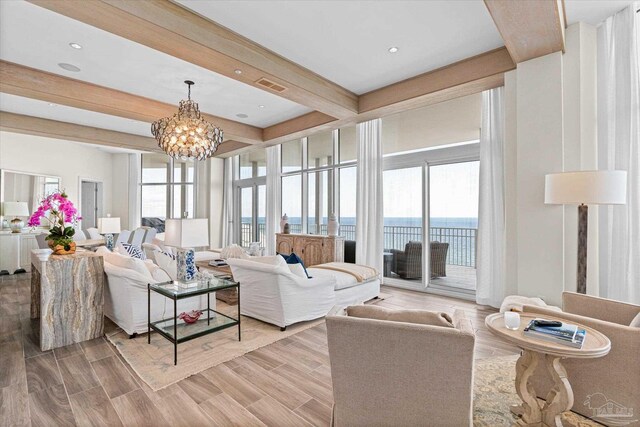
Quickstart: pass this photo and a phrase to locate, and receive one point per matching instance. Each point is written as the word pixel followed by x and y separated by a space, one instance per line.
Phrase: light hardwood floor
pixel 287 383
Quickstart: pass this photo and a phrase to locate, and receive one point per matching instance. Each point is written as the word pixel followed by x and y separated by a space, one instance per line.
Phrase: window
pixel 320 150
pixel 253 164
pixel 320 189
pixel 292 201
pixel 250 170
pixel 348 144
pixel 310 190
pixel 347 202
pixel 167 189
pixel 291 156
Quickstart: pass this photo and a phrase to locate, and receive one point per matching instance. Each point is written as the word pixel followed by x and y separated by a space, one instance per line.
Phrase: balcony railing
pixel 462 241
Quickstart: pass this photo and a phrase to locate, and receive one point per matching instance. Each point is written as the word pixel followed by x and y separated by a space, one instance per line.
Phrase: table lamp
pixel 108 226
pixel 606 187
pixel 185 234
pixel 16 210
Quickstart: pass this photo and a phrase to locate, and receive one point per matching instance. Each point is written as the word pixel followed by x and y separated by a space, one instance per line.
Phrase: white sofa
pixel 125 300
pixel 271 292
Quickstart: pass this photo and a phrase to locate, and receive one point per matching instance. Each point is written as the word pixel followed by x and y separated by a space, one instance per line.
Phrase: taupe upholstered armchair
pixel 408 263
pixel 613 379
pixel 397 373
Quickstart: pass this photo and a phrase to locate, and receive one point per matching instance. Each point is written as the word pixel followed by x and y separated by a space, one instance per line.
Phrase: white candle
pixel 512 320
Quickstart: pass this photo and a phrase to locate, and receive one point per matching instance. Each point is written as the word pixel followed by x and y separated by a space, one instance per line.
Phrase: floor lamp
pixel 582 189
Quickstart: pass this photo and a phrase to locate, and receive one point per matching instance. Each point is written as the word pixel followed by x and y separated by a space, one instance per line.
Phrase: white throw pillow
pixel 298 270
pixel 168 264
pixel 128 263
pixel 158 274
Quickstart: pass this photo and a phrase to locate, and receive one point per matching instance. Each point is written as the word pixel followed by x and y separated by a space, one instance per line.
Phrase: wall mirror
pixel 26 187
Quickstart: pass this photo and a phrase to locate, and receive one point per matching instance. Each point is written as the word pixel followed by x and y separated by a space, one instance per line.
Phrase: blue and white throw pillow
pixel 134 251
pixel 292 258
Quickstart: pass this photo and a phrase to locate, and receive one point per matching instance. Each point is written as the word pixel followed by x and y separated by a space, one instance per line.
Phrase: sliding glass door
pixel 453 224
pixel 252 200
pixel 431 219
pixel 403 224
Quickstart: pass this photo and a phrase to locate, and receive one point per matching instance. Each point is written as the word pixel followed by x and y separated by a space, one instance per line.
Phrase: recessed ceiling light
pixel 238 71
pixel 242 115
pixel 393 49
pixel 260 106
pixel 51 104
pixel 68 67
pixel 75 45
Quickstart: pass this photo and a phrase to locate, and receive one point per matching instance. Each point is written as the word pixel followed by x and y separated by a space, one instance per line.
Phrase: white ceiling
pixel 62 113
pixel 593 11
pixel 347 42
pixel 38 38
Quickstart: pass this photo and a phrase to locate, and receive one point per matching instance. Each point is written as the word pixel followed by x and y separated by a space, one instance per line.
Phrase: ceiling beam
pixel 466 77
pixel 228 147
pixel 454 78
pixel 529 28
pixel 28 82
pixel 177 31
pixel 290 129
pixel 30 125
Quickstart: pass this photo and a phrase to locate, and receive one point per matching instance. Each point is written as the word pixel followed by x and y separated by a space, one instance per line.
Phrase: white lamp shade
pixel 108 225
pixel 186 233
pixel 607 187
pixel 14 209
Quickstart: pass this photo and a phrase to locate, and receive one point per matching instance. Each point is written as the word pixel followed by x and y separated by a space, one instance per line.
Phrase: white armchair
pixel 125 300
pixel 272 293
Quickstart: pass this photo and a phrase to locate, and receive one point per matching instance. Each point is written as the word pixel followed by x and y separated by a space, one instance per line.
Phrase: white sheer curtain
pixel 619 148
pixel 490 273
pixel 274 200
pixel 369 214
pixel 228 225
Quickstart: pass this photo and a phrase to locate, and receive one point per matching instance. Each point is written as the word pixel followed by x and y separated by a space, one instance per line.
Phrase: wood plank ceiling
pixel 529 30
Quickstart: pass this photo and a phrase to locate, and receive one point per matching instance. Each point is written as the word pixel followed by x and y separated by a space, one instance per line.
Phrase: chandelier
pixel 186 135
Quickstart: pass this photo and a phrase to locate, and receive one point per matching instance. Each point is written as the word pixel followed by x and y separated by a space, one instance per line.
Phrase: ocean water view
pixel 460 232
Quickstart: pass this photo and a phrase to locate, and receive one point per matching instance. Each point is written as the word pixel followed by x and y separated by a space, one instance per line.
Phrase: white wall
pixel 550 127
pixel 539 152
pixel 122 187
pixel 68 160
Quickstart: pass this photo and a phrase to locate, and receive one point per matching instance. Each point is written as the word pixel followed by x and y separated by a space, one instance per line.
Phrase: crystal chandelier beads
pixel 186 135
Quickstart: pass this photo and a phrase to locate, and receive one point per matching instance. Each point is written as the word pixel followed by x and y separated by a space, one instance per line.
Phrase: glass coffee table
pixel 176 330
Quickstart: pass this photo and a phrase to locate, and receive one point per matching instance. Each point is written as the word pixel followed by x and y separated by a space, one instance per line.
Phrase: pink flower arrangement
pixel 58 210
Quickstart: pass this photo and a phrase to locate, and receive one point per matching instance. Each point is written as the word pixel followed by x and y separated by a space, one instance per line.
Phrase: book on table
pixel 567 334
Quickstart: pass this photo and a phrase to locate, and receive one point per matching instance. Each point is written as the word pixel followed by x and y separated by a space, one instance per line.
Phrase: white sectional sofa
pixel 125 301
pixel 273 293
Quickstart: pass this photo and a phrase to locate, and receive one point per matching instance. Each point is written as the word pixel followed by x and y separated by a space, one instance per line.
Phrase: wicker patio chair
pixel 439 259
pixel 408 263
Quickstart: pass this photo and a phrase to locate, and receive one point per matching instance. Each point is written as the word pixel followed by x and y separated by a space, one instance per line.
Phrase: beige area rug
pixel 154 362
pixel 494 392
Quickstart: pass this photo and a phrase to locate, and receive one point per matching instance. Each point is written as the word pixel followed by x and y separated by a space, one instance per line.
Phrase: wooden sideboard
pixel 67 295
pixel 312 248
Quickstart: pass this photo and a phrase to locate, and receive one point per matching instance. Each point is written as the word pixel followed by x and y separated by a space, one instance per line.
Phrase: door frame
pixel 455 153
pixel 100 211
pixel 239 185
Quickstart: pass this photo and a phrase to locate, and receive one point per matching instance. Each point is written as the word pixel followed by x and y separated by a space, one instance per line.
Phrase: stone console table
pixel 67 295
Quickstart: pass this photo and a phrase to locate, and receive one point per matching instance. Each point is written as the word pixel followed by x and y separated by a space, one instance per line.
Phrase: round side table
pixel 537 351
